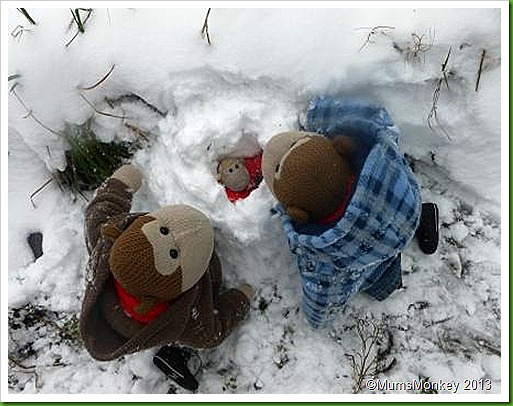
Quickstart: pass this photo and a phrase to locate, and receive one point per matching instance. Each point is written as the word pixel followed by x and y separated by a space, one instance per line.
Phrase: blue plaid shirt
pixel 379 221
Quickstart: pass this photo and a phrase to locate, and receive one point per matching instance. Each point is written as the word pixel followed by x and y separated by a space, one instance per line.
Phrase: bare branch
pixel 204 30
pixel 27 16
pixel 79 22
pixel 98 111
pixel 103 79
pixel 31 114
pixel 369 359
pixel 39 189
pixel 134 98
pixel 433 113
pixel 378 29
pixel 18 31
pixel 480 69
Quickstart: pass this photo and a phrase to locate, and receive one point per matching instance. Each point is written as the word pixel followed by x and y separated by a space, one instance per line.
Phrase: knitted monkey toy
pixel 348 203
pixel 240 176
pixel 153 278
pixel 310 175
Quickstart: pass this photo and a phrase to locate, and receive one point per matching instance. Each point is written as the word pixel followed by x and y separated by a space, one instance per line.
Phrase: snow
pixel 230 97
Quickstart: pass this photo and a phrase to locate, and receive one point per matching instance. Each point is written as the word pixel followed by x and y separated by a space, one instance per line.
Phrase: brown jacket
pixel 201 317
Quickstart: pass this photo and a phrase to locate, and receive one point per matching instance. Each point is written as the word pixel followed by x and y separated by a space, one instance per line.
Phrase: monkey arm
pixel 231 307
pixel 112 198
pixel 217 313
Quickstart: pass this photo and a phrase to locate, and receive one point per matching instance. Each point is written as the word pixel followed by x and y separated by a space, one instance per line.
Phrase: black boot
pixel 172 360
pixel 427 232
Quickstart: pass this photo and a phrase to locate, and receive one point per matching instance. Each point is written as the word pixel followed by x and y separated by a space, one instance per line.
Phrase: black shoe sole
pixel 428 230
pixel 173 362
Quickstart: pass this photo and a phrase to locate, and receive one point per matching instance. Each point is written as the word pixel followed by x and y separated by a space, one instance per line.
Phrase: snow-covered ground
pixel 203 101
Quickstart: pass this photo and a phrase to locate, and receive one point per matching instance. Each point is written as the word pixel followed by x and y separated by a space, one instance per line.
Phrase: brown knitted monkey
pixel 153 278
pixel 309 174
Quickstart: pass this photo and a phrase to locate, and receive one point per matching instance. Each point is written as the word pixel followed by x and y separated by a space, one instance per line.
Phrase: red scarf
pixel 129 302
pixel 339 212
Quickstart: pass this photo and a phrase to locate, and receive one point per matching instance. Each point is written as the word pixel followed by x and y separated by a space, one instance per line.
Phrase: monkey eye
pixel 164 230
pixel 236 166
pixel 173 253
pixel 230 170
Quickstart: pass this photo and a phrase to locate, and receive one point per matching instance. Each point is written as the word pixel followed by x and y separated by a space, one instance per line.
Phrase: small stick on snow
pixel 444 66
pixel 39 189
pixel 27 370
pixel 432 115
pixel 19 31
pixel 98 111
pixel 204 30
pixel 103 79
pixel 79 22
pixel 132 97
pixel 31 114
pixel 480 69
pixel 27 16
pixel 374 31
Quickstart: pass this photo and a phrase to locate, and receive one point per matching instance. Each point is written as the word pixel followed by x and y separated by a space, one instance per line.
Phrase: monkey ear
pixel 297 214
pixel 343 145
pixel 111 232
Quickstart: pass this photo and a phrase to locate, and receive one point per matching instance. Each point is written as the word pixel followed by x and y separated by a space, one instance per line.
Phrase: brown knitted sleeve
pixel 217 314
pixel 216 276
pixel 113 197
pixel 232 308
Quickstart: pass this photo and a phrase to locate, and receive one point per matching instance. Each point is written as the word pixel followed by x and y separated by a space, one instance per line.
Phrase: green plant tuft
pixel 89 160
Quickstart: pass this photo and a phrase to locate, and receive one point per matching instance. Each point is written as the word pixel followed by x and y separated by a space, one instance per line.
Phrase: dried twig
pixel 39 189
pixel 371 358
pixel 32 370
pixel 79 22
pixel 413 52
pixel 431 323
pixel 31 114
pixel 373 31
pixel 493 349
pixel 480 69
pixel 418 48
pixel 204 30
pixel 18 363
pixel 18 31
pixel 444 67
pixel 98 111
pixel 27 16
pixel 25 324
pixel 103 79
pixel 433 113
pixel 137 131
pixel 135 98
